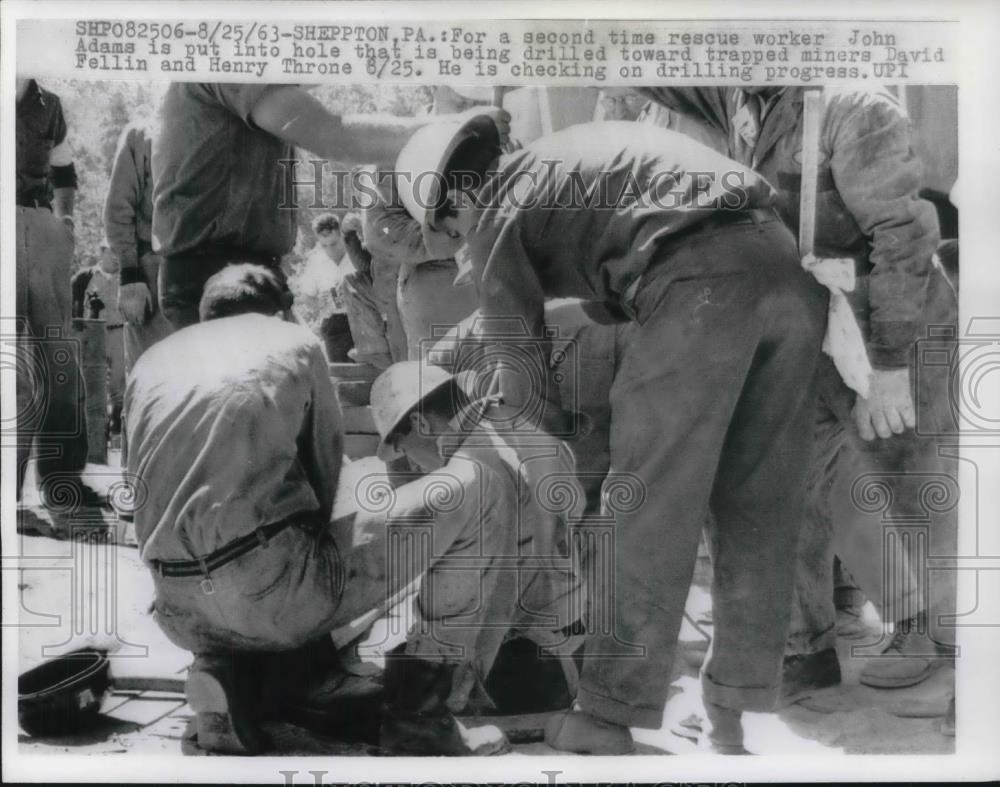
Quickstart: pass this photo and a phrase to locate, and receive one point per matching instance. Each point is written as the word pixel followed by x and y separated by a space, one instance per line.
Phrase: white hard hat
pixel 421 165
pixel 398 390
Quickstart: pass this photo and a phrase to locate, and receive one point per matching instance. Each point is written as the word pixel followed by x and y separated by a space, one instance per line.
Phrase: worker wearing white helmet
pixel 711 404
pixel 501 562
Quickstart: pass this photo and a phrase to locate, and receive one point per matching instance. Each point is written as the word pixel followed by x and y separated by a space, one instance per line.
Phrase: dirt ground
pixel 93 590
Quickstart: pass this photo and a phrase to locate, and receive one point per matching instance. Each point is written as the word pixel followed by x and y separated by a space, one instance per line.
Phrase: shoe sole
pixel 553 731
pixel 899 683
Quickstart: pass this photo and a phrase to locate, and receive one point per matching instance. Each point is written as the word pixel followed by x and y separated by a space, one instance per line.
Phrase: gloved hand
pixel 135 303
pixel 352 223
pixel 889 410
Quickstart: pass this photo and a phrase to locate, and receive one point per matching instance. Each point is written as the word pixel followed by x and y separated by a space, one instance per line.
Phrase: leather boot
pixel 723 730
pixel 416 719
pixel 578 731
pixel 224 712
pixel 910 657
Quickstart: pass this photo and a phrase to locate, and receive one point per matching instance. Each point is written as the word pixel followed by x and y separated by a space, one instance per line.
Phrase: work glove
pixel 135 303
pixel 352 223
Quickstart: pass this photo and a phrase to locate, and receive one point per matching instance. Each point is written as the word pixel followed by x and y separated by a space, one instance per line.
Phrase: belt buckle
pixel 627 300
pixel 206 583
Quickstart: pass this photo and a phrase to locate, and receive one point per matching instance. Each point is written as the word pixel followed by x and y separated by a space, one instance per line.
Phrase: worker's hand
pixel 352 223
pixel 889 409
pixel 501 117
pixel 135 303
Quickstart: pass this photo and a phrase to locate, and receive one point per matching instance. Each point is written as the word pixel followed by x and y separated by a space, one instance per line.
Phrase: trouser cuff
pixel 807 642
pixel 760 699
pixel 618 712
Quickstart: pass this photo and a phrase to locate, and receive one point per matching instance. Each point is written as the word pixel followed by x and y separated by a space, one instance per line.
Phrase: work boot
pixel 416 719
pixel 718 730
pixel 910 657
pixel 223 716
pixel 805 673
pixel 68 494
pixel 722 732
pixel 851 623
pixel 577 731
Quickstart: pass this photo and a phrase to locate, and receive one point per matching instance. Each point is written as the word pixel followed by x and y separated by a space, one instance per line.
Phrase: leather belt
pixel 203 567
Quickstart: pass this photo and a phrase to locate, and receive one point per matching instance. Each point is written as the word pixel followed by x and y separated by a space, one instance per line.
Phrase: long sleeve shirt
pixel 128 207
pixel 583 213
pixel 41 147
pixel 391 234
pixel 868 206
pixel 233 425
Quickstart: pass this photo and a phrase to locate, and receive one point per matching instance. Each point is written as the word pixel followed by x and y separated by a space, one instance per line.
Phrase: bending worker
pixel 712 403
pixel 235 430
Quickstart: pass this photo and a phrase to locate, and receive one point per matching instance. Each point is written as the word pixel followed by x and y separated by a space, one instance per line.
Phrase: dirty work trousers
pixel 887 506
pixel 51 412
pixel 430 303
pixel 712 407
pixel 370 303
pixel 456 529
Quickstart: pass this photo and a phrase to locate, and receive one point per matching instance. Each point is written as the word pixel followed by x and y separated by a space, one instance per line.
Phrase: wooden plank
pixel 358 420
pixel 173 685
pixel 812 110
pixel 353 371
pixel 359 445
pixel 354 393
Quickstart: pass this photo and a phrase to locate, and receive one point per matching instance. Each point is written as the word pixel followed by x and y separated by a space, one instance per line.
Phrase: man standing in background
pixel 51 412
pixel 869 211
pixel 101 280
pixel 212 208
pixel 128 217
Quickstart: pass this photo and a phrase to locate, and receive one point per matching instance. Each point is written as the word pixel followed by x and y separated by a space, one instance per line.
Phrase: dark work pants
pixel 888 506
pixel 182 279
pixel 712 408
pixel 50 394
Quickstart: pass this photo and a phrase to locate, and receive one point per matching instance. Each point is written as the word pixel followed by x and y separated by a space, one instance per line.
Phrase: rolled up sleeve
pixel 391 234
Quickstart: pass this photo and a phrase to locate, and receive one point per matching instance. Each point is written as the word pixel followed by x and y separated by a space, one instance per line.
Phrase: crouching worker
pixel 236 437
pixel 502 565
pixel 711 405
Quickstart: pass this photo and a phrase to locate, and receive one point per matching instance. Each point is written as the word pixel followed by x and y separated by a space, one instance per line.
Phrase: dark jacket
pixel 868 206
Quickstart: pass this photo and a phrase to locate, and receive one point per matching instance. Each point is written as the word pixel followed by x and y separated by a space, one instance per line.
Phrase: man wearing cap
pixel 507 564
pixel 712 402
pixel 225 178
